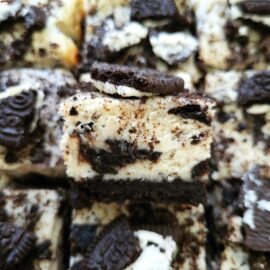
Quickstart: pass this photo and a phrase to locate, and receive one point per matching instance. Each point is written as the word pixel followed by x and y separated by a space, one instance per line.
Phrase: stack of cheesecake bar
pixel 134 135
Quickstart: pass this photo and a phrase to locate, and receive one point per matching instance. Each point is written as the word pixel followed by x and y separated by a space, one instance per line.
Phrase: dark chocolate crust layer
pixel 142 79
pixel 110 190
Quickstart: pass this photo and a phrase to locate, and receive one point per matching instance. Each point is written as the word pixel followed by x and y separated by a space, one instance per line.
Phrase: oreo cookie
pixel 153 9
pixel 255 89
pixel 115 248
pixel 192 111
pixel 256 196
pixel 256 6
pixel 15 245
pixel 145 80
pixel 16 116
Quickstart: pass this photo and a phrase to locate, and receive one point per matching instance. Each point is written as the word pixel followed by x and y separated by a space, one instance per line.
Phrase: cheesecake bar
pixel 241 128
pixel 31 229
pixel 40 33
pixel 155 34
pixel 145 129
pixel 241 221
pixel 137 235
pixel 234 33
pixel 30 127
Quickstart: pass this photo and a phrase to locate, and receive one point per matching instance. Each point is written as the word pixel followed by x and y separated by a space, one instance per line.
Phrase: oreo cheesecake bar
pixel 31 228
pixel 155 34
pixel 40 33
pixel 241 126
pixel 137 235
pixel 144 131
pixel 246 227
pixel 234 33
pixel 30 128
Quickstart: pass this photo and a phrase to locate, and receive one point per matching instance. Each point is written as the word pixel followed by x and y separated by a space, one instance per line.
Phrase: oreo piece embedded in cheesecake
pixel 256 217
pixel 137 235
pixel 143 80
pixel 255 89
pixel 255 6
pixel 153 9
pixel 30 127
pixel 31 229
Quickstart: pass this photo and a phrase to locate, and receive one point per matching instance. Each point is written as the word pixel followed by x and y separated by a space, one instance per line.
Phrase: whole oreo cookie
pixel 16 116
pixel 116 248
pixel 153 9
pixel 15 245
pixel 256 6
pixel 145 80
pixel 255 89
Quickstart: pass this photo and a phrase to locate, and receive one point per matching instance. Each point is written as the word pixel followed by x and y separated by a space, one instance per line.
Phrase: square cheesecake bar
pixel 30 128
pixel 241 222
pixel 241 128
pixel 31 229
pixel 144 131
pixel 155 34
pixel 233 34
pixel 40 33
pixel 137 235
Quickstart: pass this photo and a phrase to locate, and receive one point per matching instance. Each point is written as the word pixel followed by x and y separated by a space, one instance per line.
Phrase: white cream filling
pixel 9 9
pixel 173 48
pixel 264 205
pixel 113 89
pixel 118 39
pixel 157 256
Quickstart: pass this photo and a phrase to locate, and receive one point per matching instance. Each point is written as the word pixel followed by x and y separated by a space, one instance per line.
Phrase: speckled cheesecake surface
pixel 31 229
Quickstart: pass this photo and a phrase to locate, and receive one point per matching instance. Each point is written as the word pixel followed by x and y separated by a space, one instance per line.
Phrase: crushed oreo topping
pixel 256 6
pixel 16 116
pixel 142 79
pixel 255 89
pixel 15 245
pixel 192 111
pixel 122 153
pixel 115 248
pixel 153 9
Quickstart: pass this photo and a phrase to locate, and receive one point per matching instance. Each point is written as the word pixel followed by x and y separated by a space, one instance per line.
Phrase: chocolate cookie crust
pixel 145 80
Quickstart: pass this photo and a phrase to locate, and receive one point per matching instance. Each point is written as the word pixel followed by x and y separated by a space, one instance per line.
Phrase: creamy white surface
pixel 173 47
pixel 151 257
pixel 170 134
pixel 113 89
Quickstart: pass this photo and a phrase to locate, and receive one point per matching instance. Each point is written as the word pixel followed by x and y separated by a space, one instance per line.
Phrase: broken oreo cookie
pixel 256 6
pixel 145 80
pixel 192 111
pixel 115 248
pixel 16 116
pixel 256 196
pixel 255 89
pixel 153 9
pixel 15 245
